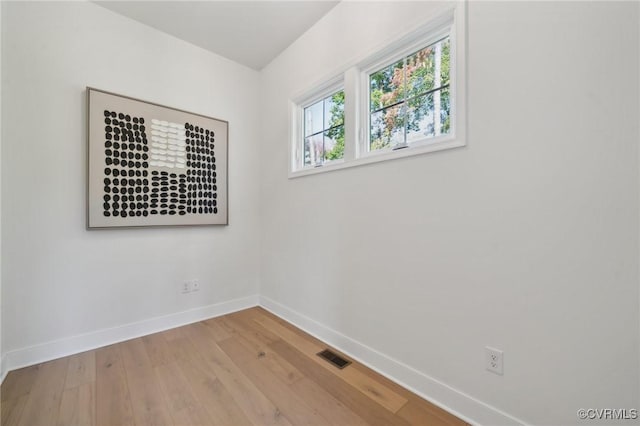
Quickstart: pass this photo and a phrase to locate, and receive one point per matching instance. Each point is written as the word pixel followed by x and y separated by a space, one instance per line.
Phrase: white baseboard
pixel 72 345
pixel 454 401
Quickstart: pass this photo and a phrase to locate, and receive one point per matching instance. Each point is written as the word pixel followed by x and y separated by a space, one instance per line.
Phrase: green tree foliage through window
pixel 324 130
pixel 410 99
pixel 336 127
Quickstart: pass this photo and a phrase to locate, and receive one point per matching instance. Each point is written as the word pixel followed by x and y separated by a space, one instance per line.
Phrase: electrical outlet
pixel 494 360
pixel 195 285
pixel 186 287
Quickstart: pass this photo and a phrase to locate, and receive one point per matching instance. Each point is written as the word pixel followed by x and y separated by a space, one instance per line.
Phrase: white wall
pixel 61 280
pixel 525 240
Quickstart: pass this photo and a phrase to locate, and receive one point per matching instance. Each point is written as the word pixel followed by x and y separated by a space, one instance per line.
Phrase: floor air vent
pixel 334 358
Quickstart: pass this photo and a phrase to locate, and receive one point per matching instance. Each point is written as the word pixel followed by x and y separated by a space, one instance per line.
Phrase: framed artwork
pixel 151 165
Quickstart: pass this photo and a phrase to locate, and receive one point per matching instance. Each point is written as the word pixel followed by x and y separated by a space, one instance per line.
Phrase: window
pixel 406 99
pixel 409 99
pixel 324 130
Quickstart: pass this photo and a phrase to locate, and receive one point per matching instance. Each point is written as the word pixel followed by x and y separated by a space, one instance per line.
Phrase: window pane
pixel 445 60
pixel 334 143
pixel 306 159
pixel 313 119
pixel 428 116
pixel 386 87
pixel 387 127
pixel 428 69
pixel 334 110
pixel 313 150
pixel 445 111
pixel 421 71
pixel 420 118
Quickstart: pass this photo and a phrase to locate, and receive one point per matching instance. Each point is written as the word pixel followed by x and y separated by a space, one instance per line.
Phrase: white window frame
pixel 395 56
pixel 354 80
pixel 297 147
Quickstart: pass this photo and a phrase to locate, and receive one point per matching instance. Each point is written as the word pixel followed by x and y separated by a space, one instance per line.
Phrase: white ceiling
pixel 249 32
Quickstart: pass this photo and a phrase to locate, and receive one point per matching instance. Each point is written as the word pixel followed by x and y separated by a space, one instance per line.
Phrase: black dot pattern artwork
pixel 126 181
pixel 168 193
pixel 153 165
pixel 136 185
pixel 201 170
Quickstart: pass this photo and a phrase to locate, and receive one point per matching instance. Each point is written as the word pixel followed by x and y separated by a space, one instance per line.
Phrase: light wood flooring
pixel 246 368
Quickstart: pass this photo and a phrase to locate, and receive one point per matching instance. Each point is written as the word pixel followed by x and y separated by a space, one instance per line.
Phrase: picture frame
pixel 153 165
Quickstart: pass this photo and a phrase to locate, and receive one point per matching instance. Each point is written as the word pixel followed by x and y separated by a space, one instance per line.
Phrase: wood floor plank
pixel 418 413
pixel 239 325
pixel 260 312
pixel 44 398
pixel 225 325
pixel 276 364
pixel 372 412
pixel 173 334
pixel 11 410
pixel 158 349
pixel 147 400
pixel 19 382
pixel 220 405
pixel 81 370
pixel 416 410
pixel 332 410
pixel 373 389
pixel 233 328
pixel 365 384
pixel 246 320
pixel 212 394
pixel 77 407
pixel 247 336
pixel 289 403
pixel 243 323
pixel 258 408
pixel 113 402
pixel 219 332
pixel 181 348
pixel 184 407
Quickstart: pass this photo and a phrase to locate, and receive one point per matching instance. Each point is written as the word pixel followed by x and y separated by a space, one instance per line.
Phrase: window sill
pixel 378 157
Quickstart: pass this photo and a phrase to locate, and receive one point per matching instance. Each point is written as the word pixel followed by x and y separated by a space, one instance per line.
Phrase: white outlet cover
pixel 195 285
pixel 494 360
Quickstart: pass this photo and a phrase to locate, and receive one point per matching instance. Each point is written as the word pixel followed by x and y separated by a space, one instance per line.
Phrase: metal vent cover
pixel 334 358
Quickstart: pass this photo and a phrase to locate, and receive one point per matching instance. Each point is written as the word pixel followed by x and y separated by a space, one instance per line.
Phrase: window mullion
pixel 351 119
pixel 324 120
pixel 405 108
